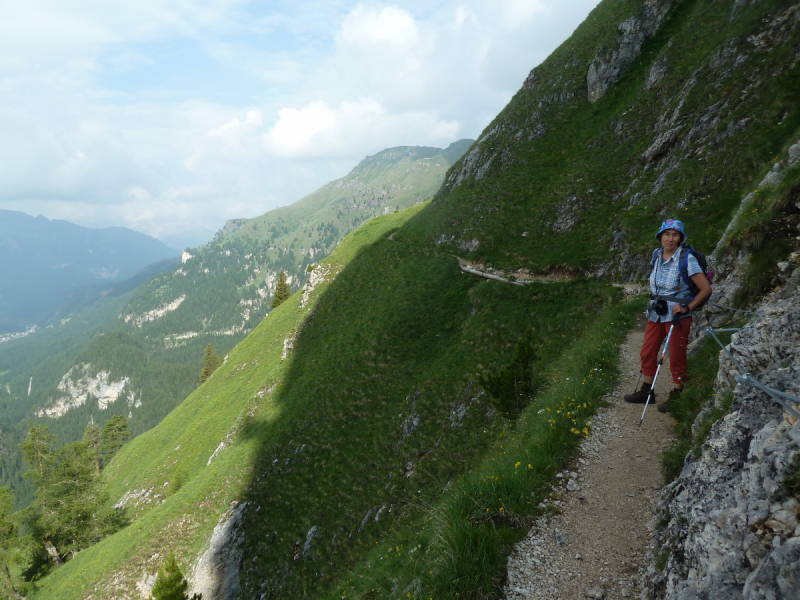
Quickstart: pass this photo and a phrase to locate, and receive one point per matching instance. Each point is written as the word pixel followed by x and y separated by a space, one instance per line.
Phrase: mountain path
pixel 523 276
pixel 593 542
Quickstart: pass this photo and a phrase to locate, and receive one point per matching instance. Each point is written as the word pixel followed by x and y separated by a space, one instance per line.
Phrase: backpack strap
pixel 683 265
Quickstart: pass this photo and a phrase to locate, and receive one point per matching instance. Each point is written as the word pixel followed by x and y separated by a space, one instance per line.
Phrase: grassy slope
pixel 594 152
pixel 457 544
pixel 167 368
pixel 347 400
pixel 179 447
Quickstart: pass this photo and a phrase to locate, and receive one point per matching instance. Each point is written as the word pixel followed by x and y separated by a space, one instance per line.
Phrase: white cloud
pixel 389 25
pixel 169 115
pixel 319 130
pixel 139 194
pixel 296 128
pixel 519 13
pixel 232 131
pixel 462 16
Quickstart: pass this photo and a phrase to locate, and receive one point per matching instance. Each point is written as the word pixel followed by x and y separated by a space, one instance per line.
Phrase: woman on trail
pixel 666 283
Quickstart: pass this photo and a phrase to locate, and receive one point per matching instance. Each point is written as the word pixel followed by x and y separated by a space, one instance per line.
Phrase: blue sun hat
pixel 672 224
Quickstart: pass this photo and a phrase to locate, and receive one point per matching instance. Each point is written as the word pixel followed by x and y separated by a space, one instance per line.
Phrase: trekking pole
pixel 660 362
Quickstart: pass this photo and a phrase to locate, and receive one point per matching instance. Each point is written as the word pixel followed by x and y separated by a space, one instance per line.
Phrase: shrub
pixel 171 584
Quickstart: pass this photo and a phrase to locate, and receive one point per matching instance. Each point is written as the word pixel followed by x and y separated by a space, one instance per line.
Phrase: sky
pixel 168 116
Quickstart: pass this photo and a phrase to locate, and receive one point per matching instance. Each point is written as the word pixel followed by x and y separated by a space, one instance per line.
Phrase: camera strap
pixel 681 301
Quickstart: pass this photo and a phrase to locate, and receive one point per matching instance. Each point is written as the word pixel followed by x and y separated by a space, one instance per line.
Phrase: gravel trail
pixel 593 542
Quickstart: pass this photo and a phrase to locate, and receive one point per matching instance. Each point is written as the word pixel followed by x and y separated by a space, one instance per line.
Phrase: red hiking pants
pixel 653 338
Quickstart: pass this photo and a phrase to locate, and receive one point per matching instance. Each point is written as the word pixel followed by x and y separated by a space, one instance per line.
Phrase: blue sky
pixel 167 116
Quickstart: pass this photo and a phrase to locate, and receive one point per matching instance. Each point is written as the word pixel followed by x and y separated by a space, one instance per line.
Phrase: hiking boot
pixel 673 396
pixel 640 397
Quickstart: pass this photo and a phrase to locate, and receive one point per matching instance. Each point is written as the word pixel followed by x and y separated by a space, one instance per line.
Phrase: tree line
pixel 71 509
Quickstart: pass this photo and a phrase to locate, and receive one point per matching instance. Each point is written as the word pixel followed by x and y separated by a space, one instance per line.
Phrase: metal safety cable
pixel 747 312
pixel 750 381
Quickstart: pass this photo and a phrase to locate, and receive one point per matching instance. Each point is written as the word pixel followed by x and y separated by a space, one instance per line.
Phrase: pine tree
pixel 71 509
pixel 115 434
pixel 38 452
pixel 171 584
pixel 281 290
pixel 91 437
pixel 210 363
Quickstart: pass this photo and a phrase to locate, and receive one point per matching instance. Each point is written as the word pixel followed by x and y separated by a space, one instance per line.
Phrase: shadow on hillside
pixel 365 410
pixel 380 409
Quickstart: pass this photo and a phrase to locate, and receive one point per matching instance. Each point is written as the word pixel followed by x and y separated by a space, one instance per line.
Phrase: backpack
pixel 683 266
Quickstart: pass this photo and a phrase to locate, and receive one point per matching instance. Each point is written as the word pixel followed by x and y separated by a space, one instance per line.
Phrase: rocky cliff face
pixel 79 383
pixel 231 226
pixel 731 528
pixel 156 313
pixel 673 95
pixel 216 572
pixel 610 65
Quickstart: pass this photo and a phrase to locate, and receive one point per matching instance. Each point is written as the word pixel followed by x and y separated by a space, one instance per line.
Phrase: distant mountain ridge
pixel 44 261
pixel 391 173
pixel 153 337
pixel 224 288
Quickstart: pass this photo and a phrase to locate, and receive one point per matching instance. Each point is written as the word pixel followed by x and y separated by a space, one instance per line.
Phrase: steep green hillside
pixel 708 100
pixel 155 340
pixel 375 407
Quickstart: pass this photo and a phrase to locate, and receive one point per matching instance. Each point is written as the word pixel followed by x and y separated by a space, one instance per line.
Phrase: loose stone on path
pixel 597 548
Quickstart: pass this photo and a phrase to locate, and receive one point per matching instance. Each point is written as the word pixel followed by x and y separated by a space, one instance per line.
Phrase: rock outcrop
pixel 608 66
pixel 156 313
pixel 216 573
pixel 231 226
pixel 77 385
pixel 729 527
pixel 317 276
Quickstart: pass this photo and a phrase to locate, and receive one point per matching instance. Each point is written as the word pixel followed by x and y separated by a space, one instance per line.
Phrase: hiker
pixel 667 281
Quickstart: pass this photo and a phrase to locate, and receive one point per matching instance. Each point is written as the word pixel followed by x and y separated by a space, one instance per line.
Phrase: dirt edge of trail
pixel 593 542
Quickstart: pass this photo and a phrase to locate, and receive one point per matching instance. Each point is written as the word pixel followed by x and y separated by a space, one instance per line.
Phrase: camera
pixel 658 306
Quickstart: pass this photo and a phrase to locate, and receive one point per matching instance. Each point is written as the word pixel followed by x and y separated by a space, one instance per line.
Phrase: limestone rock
pixel 216 572
pixel 78 384
pixel 657 73
pixel 777 576
pixel 794 154
pixel 288 345
pixel 731 530
pixel 567 215
pixel 609 66
pixel 596 593
pixel 317 276
pixel 156 313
